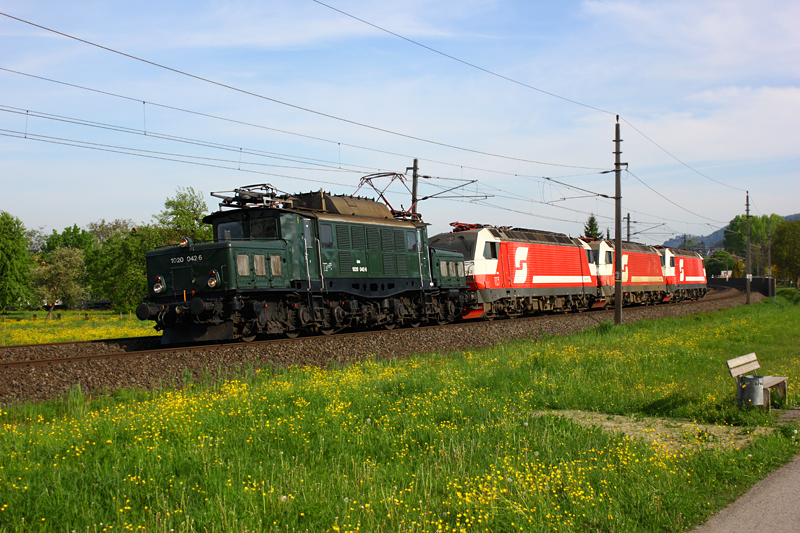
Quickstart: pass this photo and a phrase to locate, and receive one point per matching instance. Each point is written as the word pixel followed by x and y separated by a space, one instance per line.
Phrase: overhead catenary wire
pixel 238 150
pixel 302 135
pixel 321 164
pixel 339 118
pixel 152 155
pixel 294 106
pixel 205 162
pixel 670 201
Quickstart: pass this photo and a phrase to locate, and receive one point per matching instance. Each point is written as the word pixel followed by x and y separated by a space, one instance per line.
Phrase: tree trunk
pixel 50 311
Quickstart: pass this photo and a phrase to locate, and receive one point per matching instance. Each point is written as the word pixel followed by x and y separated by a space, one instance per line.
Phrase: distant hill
pixel 714 240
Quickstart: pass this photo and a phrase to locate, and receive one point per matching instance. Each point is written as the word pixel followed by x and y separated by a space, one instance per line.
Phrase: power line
pixel 294 106
pixel 517 82
pixel 462 61
pixel 676 159
pixel 670 201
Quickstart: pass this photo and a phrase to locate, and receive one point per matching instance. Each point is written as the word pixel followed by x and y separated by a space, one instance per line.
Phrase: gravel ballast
pixel 169 368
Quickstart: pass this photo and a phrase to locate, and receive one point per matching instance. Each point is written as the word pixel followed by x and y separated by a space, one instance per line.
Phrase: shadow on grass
pixel 667 405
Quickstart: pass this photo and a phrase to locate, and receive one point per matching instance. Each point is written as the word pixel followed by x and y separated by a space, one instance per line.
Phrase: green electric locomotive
pixel 314 262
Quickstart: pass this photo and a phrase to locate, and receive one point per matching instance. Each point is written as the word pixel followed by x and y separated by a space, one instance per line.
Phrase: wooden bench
pixel 747 363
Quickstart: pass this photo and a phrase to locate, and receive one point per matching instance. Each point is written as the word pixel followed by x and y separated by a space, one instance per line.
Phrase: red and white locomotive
pixel 515 271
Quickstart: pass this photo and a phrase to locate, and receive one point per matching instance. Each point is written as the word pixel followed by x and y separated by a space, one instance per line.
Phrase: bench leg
pixel 739 391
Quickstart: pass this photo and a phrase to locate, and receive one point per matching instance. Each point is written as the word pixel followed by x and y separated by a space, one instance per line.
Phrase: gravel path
pixel 169 368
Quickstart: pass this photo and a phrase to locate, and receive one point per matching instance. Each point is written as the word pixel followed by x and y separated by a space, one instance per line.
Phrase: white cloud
pixel 711 38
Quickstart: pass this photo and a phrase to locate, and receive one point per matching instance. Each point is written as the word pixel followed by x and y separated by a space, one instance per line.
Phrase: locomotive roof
pixel 681 252
pixel 315 202
pixel 464 241
pixel 530 235
pixel 341 205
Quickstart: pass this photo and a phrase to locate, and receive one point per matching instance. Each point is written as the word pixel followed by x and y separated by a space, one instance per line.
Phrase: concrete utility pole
pixel 747 210
pixel 415 179
pixel 769 261
pixel 617 229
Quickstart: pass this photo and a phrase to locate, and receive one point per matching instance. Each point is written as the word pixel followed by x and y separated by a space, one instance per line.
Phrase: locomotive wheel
pixel 249 338
pixel 327 332
pixel 415 324
pixel 292 334
pixel 390 326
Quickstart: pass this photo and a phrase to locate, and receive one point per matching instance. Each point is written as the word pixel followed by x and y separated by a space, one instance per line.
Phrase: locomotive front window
pixel 461 269
pixel 264 228
pixel 227 231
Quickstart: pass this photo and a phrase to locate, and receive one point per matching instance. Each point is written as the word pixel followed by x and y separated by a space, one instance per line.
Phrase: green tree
pixel 15 261
pixel 103 230
pixel 717 262
pixel 73 237
pixel 738 269
pixel 735 236
pixel 786 249
pixel 591 229
pixel 36 239
pixel 118 269
pixel 60 277
pixel 183 216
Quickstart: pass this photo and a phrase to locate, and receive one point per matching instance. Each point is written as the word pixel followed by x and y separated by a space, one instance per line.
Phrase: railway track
pixel 14 356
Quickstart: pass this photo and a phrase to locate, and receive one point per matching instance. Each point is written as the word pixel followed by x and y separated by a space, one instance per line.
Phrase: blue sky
pixel 715 84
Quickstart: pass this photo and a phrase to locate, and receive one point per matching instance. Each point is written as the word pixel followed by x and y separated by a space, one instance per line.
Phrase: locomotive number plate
pixel 359 269
pixel 187 259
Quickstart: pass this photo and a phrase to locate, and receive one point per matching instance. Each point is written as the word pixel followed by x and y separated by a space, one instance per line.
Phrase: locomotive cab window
pixel 411 241
pixel 490 250
pixel 326 235
pixel 461 269
pixel 609 257
pixel 228 231
pixel 264 228
pixel 443 267
pixel 672 261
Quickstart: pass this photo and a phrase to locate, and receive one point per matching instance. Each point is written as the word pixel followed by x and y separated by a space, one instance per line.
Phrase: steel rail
pixel 215 346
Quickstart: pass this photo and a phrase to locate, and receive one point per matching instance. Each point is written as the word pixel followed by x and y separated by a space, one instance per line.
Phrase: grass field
pixel 504 439
pixel 30 327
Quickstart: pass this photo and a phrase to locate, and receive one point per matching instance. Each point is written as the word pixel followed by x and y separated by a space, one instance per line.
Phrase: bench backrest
pixel 742 365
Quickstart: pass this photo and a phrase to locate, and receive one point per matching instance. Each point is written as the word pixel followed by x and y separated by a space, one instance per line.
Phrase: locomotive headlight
pixel 213 279
pixel 185 242
pixel 158 288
